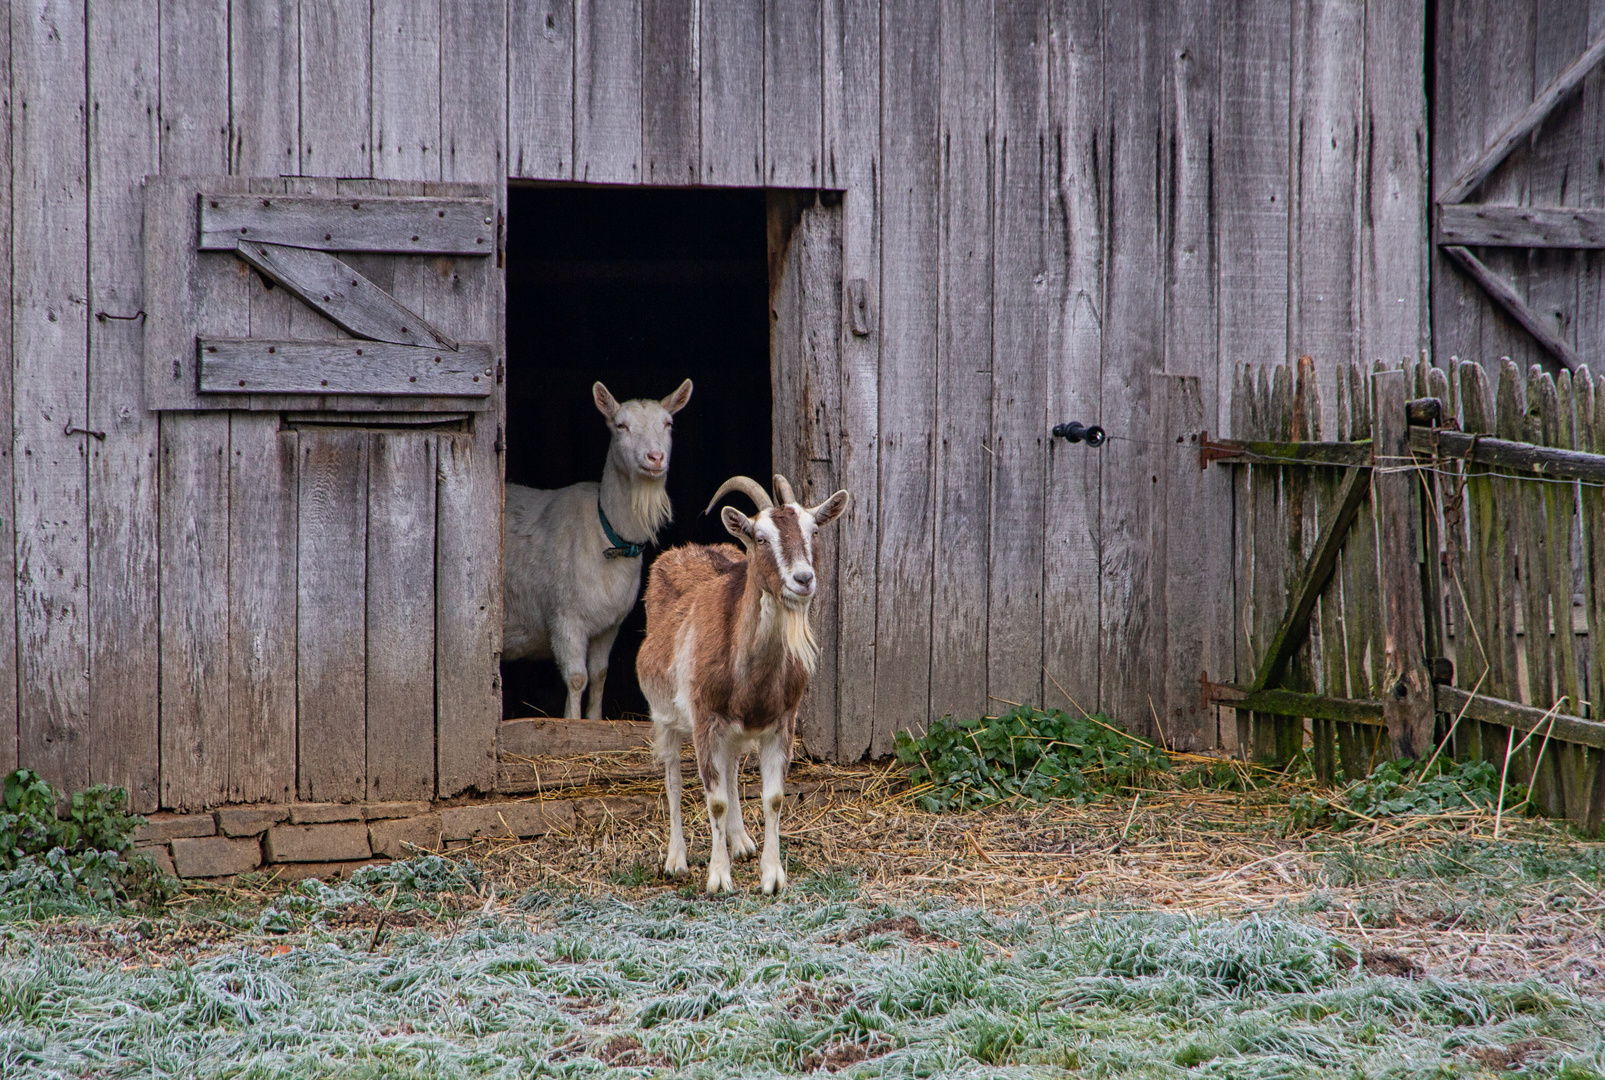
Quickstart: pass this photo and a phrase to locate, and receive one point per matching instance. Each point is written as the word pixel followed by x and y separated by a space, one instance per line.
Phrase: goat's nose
pixel 654 457
pixel 804 577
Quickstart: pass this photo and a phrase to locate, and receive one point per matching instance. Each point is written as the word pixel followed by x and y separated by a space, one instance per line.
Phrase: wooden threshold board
pixel 542 737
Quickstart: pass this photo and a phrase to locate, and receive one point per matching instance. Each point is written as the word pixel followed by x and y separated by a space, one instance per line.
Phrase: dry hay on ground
pixel 1211 853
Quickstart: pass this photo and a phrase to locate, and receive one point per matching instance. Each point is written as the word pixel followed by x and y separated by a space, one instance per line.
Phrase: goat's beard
pixel 649 502
pixel 797 635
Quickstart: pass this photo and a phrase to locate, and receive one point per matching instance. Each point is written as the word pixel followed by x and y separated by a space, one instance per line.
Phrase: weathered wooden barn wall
pixel 1058 210
pixel 1051 210
pixel 207 603
pixel 1491 60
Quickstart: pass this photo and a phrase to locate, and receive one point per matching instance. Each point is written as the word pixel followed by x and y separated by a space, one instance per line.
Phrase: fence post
pixel 1407 690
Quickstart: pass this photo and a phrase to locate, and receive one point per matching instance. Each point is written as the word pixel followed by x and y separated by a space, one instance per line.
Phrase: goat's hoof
pixel 675 866
pixel 774 880
pixel 719 880
pixel 742 847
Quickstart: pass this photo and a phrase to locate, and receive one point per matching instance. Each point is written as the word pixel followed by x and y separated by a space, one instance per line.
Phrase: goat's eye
pixel 763 540
pixel 623 427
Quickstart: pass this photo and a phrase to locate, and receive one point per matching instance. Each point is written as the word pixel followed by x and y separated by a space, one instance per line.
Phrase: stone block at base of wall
pixel 505 820
pixel 215 856
pixel 319 812
pixel 160 827
pixel 163 857
pixel 336 842
pixel 399 838
pixel 249 820
pixel 323 871
pixel 378 811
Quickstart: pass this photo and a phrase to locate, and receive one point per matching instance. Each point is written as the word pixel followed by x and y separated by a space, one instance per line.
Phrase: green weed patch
pixel 78 859
pixel 1025 754
pixel 1397 789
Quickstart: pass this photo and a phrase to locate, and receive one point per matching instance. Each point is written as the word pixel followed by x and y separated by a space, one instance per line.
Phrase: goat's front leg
pixel 774 754
pixel 596 654
pixel 716 760
pixel 741 845
pixel 568 649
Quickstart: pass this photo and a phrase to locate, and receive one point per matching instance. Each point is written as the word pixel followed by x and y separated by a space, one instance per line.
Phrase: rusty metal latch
pixel 1209 450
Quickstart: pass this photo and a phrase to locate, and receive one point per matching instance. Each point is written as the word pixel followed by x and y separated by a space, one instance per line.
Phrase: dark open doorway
pixel 639 288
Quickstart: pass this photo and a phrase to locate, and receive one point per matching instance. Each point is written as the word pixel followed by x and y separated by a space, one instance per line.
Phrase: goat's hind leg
pixel 741 844
pixel 596 656
pixel 666 742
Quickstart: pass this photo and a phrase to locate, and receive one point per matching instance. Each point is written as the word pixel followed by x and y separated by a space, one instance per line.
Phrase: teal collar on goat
pixel 621 549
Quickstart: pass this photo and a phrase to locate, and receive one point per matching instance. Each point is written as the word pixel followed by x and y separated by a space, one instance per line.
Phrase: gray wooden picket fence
pixel 1434 576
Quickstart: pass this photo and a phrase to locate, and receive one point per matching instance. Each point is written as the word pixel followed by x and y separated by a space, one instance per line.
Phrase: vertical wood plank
pixel 401 617
pixel 468 546
pixel 1362 614
pixel 731 43
pixel 1592 501
pixel 671 93
pixel 540 89
pixel 263 486
pixel 805 353
pixel 1327 70
pixel 1020 426
pixel 331 585
pixel 1197 583
pixel 1252 209
pixel 1269 417
pixel 406 89
pixel 264 88
pixel 336 89
pixel 1133 639
pixel 193 496
pixel 965 457
pixel 194 611
pixel 607 91
pixel 50 389
pixel 194 70
pixel 124 147
pixel 1407 701
pixel 793 85
pixel 1393 242
pixel 909 288
pixel 1235 729
pixel 1558 155
pixel 1076 243
pixel 8 533
pixel 1191 497
pixel 853 128
pixel 467 621
pixel 1300 490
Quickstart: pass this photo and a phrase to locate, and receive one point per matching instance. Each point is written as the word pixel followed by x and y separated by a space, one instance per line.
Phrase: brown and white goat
pixel 727 656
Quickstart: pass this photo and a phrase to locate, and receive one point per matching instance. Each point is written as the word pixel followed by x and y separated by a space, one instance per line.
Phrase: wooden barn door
pixel 805 311
pixel 1519 214
pixel 327 359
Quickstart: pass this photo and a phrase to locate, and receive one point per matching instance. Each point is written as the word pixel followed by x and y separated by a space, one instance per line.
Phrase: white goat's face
pixel 643 430
pixel 780 544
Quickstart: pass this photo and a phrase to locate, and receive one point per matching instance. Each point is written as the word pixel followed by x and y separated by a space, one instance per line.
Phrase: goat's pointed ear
pixel 677 400
pixel 605 402
pixel 831 508
pixel 739 525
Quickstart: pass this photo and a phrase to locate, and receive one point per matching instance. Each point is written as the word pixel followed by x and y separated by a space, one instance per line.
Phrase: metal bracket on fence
pixel 1209 450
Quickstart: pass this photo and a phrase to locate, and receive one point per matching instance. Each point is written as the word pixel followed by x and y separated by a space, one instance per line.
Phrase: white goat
pixel 574 554
pixel 726 659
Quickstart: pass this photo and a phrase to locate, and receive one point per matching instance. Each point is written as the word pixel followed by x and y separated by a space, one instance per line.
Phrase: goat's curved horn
pixel 748 487
pixel 783 489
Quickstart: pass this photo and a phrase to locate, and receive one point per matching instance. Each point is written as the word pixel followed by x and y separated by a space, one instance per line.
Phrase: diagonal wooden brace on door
pixel 1317 572
pixel 1458 225
pixel 342 295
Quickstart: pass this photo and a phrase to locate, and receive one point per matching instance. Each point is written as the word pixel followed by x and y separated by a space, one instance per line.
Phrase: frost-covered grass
pixel 563 984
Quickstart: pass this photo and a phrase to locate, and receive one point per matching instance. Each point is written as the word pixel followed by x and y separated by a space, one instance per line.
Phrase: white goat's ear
pixel 677 400
pixel 739 525
pixel 605 401
pixel 831 508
